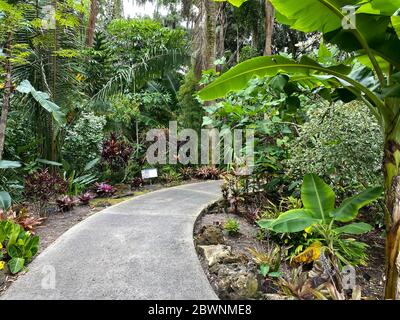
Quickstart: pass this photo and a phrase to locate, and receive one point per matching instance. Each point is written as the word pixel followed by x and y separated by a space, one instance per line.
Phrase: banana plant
pixel 369 31
pixel 319 213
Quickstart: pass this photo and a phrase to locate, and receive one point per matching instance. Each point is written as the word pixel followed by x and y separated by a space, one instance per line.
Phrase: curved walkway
pixel 139 249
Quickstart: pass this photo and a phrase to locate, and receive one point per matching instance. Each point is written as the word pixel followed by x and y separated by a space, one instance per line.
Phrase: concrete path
pixel 139 249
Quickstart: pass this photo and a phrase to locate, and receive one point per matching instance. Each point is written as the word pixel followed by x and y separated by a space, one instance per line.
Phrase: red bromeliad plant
pixel 104 190
pixel 116 153
pixel 85 198
pixel 66 203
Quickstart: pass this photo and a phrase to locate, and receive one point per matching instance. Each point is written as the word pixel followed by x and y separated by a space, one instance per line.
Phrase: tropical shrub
pixel 20 245
pixel 328 142
pixel 320 215
pixel 83 140
pixel 116 153
pixel 42 186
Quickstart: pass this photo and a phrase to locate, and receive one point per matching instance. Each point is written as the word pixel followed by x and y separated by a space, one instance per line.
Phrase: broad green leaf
pixel 265 223
pixel 236 3
pixel 5 200
pixel 14 251
pixel 6 164
pixel 24 87
pixel 383 7
pixel 325 56
pixel 383 64
pixel 264 269
pixel 238 77
pixel 293 221
pixel 348 210
pixel 16 265
pixel 317 196
pixel 354 228
pixel 279 82
pixel 313 15
pixel 43 99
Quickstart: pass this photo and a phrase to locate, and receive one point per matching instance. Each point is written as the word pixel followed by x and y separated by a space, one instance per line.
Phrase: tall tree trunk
pixel 269 27
pixel 220 46
pixel 204 37
pixel 391 168
pixel 211 25
pixel 7 94
pixel 94 9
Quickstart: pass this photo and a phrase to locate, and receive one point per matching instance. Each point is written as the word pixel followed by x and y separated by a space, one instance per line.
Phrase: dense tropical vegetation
pixel 317 81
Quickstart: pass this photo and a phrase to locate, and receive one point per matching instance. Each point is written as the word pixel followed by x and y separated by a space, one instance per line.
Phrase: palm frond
pixel 137 75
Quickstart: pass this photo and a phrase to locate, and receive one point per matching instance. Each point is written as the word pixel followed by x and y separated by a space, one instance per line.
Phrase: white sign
pixel 149 173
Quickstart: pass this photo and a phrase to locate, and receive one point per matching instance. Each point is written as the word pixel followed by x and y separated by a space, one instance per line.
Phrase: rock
pixel 238 285
pixel 223 270
pixel 215 253
pixel 235 258
pixel 210 235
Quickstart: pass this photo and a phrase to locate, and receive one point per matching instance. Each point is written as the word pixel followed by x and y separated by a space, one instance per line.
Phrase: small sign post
pixel 149 174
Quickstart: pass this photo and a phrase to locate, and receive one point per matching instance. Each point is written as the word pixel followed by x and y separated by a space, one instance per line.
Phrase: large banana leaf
pixel 354 228
pixel 350 207
pixel 238 77
pixel 314 15
pixel 371 33
pixel 384 7
pixel 43 99
pixel 317 197
pixel 291 221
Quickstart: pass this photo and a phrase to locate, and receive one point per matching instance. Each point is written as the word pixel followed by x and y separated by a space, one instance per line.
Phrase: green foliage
pixel 232 226
pixel 20 245
pixel 43 99
pixel 320 214
pixel 83 140
pixel 341 143
pixel 137 39
pixel 268 261
pixel 191 111
pixel 5 201
pixel 272 108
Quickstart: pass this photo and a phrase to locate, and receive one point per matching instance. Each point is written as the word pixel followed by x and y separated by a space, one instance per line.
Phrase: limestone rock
pixel 210 235
pixel 235 286
pixel 215 253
